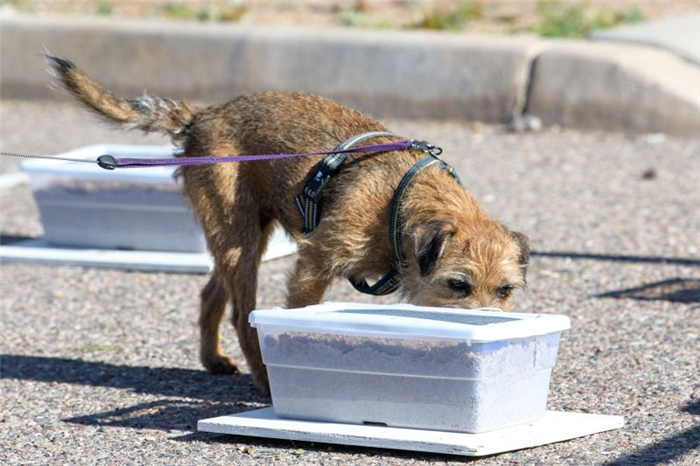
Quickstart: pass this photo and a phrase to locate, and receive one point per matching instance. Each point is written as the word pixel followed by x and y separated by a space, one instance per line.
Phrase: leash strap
pixel 109 162
pixel 307 201
pixel 390 282
pixel 141 162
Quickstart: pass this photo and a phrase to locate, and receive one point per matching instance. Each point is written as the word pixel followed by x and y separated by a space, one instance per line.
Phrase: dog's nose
pixel 487 303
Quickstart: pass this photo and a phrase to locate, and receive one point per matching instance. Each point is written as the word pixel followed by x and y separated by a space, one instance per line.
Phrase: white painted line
pixel 555 426
pixel 11 180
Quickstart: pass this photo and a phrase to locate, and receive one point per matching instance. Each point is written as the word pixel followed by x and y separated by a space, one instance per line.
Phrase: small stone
pixel 533 123
pixel 649 174
pixel 655 138
pixel 477 126
pixel 525 123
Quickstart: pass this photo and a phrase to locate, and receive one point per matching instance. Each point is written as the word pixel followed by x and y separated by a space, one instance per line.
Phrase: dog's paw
pixel 221 365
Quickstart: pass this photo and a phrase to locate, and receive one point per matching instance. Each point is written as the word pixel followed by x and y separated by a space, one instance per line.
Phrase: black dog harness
pixel 307 203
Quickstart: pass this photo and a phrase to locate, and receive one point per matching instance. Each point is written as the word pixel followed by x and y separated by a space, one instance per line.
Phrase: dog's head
pixel 467 265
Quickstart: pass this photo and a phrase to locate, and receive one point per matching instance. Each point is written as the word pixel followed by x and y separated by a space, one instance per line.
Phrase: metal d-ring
pixel 426 147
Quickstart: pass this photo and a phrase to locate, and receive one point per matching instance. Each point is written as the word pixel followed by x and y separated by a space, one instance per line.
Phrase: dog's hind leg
pixel 241 275
pixel 228 207
pixel 214 300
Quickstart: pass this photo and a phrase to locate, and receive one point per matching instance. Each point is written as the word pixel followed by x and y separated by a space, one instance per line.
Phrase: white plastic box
pixel 84 205
pixel 407 366
pixel 131 208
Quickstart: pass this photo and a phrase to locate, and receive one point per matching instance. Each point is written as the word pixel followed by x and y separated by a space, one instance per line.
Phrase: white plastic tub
pixel 129 208
pixel 132 208
pixel 407 366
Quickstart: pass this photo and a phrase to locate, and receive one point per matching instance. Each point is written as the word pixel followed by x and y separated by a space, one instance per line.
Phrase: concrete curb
pixel 679 35
pixel 616 87
pixel 403 74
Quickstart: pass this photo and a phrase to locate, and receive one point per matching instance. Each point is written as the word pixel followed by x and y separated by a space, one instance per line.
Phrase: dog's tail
pixel 148 113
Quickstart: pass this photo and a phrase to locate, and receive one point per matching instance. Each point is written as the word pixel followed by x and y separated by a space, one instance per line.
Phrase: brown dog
pixel 455 255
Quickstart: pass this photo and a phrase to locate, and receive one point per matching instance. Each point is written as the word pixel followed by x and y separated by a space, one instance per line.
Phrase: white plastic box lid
pixel 406 321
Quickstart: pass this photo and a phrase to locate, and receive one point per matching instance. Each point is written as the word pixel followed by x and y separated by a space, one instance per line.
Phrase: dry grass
pixel 546 17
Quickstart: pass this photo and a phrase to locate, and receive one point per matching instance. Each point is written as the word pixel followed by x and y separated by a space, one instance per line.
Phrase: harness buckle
pixel 426 147
pixel 318 182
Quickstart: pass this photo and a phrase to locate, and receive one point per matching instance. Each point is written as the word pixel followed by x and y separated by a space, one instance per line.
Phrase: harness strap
pixel 390 282
pixel 307 202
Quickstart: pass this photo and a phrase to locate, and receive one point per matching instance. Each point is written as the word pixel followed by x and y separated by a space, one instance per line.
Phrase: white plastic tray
pixel 38 251
pixel 554 427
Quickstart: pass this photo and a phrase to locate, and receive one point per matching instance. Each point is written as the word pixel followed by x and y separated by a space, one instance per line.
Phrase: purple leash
pixel 109 162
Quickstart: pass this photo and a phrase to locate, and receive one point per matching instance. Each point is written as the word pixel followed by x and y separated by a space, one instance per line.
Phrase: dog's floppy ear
pixel 524 256
pixel 430 242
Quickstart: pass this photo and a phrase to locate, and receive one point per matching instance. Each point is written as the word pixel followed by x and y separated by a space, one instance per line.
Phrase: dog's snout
pixel 481 302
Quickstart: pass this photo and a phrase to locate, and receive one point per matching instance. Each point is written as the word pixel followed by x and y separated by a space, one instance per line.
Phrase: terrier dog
pixel 453 254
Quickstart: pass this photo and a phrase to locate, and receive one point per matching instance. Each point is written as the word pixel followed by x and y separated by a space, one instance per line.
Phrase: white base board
pixel 556 426
pixel 39 251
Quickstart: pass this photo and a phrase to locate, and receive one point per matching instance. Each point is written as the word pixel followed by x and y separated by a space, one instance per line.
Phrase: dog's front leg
pixel 309 281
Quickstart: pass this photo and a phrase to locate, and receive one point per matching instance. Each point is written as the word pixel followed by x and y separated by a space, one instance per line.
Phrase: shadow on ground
pixel 167 414
pixel 667 449
pixel 677 290
pixel 190 395
pixel 179 383
pixel 618 258
pixel 6 240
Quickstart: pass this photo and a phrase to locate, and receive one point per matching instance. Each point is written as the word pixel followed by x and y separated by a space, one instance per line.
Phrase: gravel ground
pixel 100 366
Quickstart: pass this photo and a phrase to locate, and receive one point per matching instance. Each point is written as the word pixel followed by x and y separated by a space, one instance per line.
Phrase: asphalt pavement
pixel 101 366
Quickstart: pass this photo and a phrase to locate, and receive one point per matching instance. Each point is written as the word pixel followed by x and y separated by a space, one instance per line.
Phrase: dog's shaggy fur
pixel 456 255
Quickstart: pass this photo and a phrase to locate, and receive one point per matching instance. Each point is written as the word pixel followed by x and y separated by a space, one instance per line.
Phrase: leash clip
pixel 107 162
pixel 426 147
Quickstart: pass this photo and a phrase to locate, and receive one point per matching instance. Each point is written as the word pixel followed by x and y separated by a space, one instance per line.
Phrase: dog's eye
pixel 504 291
pixel 460 286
